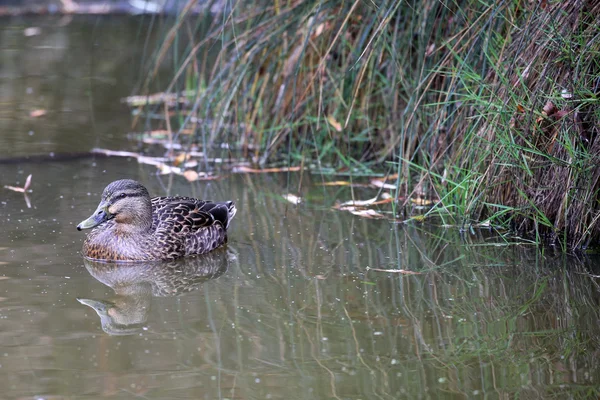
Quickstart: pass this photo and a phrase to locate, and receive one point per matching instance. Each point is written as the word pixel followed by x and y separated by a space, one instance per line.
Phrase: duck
pixel 128 225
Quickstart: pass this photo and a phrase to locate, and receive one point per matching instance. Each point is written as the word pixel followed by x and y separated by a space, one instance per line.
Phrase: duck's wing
pixel 186 214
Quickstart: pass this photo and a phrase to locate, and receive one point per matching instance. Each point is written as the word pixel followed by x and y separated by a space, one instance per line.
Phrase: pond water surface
pixel 291 308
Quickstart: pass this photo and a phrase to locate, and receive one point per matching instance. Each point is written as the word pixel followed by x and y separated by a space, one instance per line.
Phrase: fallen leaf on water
pixel 32 31
pixel 27 182
pixel 181 158
pixel 337 183
pixel 358 203
pixel 387 200
pixel 336 125
pixel 165 169
pixel 292 198
pixel 20 189
pixel 37 113
pixel 243 168
pixel 368 213
pixel 14 188
pixel 378 183
pixel 190 175
pixel 397 271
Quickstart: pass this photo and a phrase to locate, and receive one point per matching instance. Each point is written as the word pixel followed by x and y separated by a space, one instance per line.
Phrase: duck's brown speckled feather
pixel 181 226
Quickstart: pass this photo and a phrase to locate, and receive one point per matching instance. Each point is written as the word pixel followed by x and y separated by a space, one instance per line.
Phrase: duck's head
pixel 128 202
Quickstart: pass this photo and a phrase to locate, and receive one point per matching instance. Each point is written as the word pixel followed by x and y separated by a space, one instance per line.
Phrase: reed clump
pixel 491 110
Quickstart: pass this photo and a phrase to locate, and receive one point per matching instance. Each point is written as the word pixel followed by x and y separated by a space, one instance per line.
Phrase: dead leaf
pixel 245 169
pixel 520 108
pixel 397 271
pixel 37 113
pixel 429 50
pixel 20 189
pixel 32 31
pixel 549 108
pixel 359 203
pixel 190 175
pixel 15 189
pixel 181 158
pixel 366 213
pixel 336 125
pixel 421 202
pixel 292 62
pixel 561 113
pixel 319 30
pixel 27 182
pixel 378 183
pixel 165 169
pixel 292 198
pixel 342 183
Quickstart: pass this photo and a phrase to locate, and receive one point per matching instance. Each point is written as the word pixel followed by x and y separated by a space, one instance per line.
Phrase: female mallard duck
pixel 129 226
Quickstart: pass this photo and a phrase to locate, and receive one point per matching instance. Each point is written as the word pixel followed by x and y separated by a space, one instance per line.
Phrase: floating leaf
pixel 190 175
pixel 167 169
pixel 32 31
pixel 367 213
pixel 27 182
pixel 378 183
pixel 20 189
pixel 292 198
pixel 37 113
pixel 15 189
pixel 396 271
pixel 245 169
pixel 358 203
pixel 181 158
pixel 336 183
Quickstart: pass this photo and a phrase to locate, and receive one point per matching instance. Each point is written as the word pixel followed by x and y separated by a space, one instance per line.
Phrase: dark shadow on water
pixel 135 284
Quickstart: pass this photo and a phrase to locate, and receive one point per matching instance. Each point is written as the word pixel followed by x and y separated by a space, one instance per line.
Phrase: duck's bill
pixel 99 216
pixel 101 307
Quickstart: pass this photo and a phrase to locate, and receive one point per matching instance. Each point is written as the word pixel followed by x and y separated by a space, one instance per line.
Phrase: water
pixel 290 309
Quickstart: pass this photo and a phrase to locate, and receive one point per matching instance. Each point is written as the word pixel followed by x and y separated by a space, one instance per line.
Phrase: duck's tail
pixel 231 210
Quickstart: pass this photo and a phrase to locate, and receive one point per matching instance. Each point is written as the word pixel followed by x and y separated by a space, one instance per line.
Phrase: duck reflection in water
pixel 135 283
